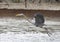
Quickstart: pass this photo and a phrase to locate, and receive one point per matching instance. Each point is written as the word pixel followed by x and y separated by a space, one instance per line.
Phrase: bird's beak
pixel 19 14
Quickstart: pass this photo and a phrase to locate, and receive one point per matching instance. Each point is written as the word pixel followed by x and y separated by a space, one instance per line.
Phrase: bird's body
pixel 39 20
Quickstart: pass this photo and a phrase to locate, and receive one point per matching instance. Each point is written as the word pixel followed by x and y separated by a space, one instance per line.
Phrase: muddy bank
pixel 29 13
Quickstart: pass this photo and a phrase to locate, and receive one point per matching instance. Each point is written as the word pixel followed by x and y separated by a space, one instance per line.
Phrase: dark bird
pixel 39 20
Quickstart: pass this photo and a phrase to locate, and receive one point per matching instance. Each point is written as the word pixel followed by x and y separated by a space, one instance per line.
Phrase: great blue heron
pixel 39 21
